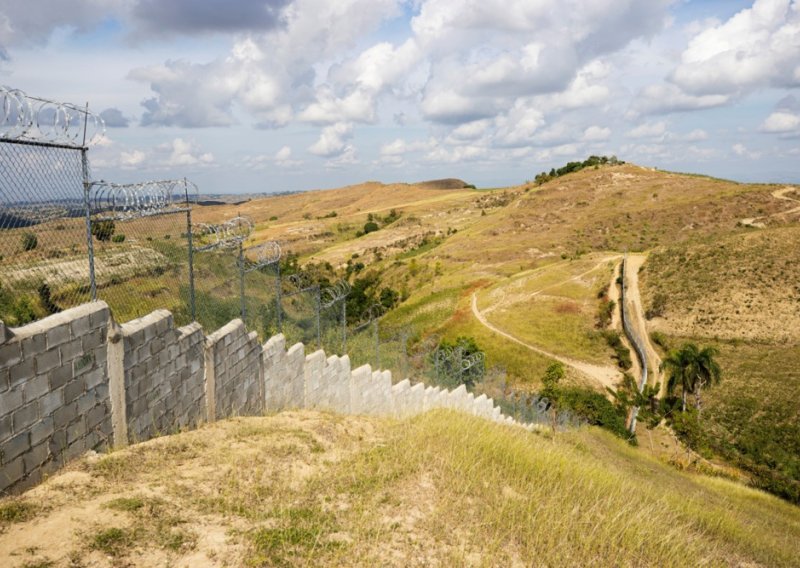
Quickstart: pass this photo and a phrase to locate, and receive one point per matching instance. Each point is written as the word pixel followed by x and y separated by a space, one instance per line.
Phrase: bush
pixel 23 311
pixel 621 353
pixel 103 230
pixel 658 307
pixel 120 238
pixel 45 296
pixel 370 227
pixel 604 315
pixel 29 241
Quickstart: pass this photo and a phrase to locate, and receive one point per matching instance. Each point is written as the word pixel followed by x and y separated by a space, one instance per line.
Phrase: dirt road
pixel 606 376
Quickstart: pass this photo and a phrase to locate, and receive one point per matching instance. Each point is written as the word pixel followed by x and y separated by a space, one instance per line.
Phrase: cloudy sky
pixel 273 95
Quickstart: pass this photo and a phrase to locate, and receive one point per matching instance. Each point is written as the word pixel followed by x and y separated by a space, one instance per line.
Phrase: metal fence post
pixel 243 307
pixel 318 302
pixel 344 326
pixel 377 346
pixel 88 210
pixel 192 301
pixel 278 301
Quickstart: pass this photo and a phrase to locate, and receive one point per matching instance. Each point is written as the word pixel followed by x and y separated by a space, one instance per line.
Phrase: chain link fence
pixel 43 231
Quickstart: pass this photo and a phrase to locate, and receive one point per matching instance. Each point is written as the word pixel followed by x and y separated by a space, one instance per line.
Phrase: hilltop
pixel 442 489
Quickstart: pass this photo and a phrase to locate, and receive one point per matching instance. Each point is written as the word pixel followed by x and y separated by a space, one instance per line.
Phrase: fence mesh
pixel 44 265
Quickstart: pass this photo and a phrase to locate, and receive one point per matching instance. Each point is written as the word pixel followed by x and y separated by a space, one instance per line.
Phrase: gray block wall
pixel 76 381
pixel 54 397
pixel 163 376
pixel 236 356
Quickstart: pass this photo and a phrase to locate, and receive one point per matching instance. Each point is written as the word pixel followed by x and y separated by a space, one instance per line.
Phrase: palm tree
pixel 708 372
pixel 691 368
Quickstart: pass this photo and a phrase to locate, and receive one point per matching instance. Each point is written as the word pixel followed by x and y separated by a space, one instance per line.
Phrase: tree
pixel 103 230
pixel 691 369
pixel 29 241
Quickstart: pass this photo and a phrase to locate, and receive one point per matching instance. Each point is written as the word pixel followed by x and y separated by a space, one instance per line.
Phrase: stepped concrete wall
pixel 76 381
pixel 54 394
pixel 164 376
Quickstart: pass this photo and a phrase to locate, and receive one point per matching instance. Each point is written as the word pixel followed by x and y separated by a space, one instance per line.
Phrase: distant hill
pixel 447 183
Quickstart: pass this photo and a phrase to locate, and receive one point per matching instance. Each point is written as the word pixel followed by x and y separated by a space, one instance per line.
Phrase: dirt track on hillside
pixel 606 376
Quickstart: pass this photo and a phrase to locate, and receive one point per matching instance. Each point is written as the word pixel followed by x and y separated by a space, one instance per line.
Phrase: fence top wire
pixel 261 255
pixel 124 201
pixel 227 235
pixel 335 293
pixel 24 118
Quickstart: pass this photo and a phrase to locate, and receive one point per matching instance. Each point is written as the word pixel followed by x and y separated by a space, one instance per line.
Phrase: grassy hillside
pixel 739 293
pixel 442 489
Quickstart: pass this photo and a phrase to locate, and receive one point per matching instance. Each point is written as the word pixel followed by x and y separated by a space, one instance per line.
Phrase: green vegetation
pixel 691 369
pixel 621 353
pixel 16 511
pixel 29 241
pixel 113 542
pixel 103 230
pixel 591 161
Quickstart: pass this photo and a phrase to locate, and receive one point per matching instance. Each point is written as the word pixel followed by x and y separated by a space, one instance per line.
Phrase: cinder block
pixel 42 430
pixel 74 389
pixel 32 346
pixel 57 335
pixel 59 376
pixel 64 415
pixel 36 457
pixel 15 446
pixel 10 401
pixel 11 473
pixel 36 387
pixel 97 415
pixel 47 361
pixel 10 354
pixel 71 350
pixel 22 372
pixel 80 326
pixel 76 430
pixel 25 416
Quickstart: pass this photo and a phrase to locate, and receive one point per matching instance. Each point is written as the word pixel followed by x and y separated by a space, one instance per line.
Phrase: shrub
pixel 621 353
pixel 658 307
pixel 370 227
pixel 604 315
pixel 45 295
pixel 29 241
pixel 120 238
pixel 103 230
pixel 23 311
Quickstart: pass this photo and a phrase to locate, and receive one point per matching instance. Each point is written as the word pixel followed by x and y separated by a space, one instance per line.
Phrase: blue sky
pixel 273 95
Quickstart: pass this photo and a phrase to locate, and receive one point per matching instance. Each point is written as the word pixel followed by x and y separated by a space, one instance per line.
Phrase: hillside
pixel 439 490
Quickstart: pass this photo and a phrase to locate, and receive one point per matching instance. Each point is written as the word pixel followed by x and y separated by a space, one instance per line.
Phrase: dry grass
pixel 443 489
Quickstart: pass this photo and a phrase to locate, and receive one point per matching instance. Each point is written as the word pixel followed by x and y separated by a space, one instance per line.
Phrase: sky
pixel 246 96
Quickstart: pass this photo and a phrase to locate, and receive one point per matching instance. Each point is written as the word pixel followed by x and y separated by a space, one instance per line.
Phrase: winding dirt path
pixel 606 376
pixel 777 194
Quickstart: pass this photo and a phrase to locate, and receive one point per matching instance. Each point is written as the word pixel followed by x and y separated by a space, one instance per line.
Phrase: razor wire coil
pixel 32 119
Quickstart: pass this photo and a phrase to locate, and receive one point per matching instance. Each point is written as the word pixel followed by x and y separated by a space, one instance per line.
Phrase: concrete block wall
pixel 77 381
pixel 234 359
pixel 54 394
pixel 164 377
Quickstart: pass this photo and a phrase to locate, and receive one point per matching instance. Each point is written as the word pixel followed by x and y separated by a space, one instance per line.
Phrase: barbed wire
pixel 124 201
pixel 370 315
pixel 335 293
pixel 266 254
pixel 301 282
pixel 32 119
pixel 225 235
